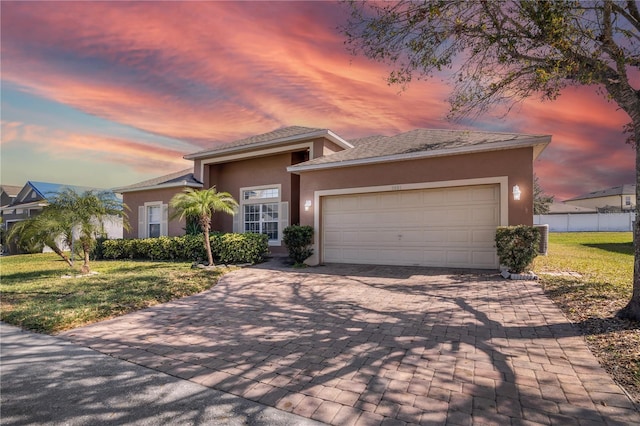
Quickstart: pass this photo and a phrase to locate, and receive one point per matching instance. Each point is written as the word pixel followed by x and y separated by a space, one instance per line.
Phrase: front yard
pixel 592 279
pixel 34 294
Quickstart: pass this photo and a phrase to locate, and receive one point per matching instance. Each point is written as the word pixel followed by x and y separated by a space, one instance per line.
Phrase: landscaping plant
pixel 298 240
pixel 517 246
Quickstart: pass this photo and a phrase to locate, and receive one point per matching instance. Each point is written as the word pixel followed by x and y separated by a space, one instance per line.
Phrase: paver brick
pixel 376 345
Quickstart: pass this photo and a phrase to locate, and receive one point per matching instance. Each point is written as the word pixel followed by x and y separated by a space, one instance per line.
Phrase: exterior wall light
pixel 516 192
pixel 307 205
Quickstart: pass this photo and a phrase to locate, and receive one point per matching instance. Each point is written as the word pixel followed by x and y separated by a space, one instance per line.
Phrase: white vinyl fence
pixel 590 222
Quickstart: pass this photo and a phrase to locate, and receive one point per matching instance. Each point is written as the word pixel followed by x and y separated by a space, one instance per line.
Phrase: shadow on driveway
pixel 348 344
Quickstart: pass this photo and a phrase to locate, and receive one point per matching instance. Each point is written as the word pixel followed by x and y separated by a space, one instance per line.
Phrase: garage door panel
pixel 452 227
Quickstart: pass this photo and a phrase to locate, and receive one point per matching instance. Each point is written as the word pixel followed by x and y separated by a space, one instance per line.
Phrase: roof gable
pixel 276 137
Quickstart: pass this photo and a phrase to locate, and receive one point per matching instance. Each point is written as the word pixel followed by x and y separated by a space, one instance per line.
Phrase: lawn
pixel 603 262
pixel 34 294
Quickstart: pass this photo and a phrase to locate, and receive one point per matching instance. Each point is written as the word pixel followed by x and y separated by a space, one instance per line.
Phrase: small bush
pixel 517 246
pixel 226 248
pixel 298 241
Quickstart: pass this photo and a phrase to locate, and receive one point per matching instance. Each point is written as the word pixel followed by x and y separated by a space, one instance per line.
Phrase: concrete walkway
pixel 376 345
pixel 46 380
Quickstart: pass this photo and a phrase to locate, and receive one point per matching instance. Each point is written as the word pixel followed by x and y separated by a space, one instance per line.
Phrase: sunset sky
pixel 106 94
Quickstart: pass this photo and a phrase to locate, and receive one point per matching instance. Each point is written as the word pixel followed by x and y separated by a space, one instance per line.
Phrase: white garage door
pixel 447 227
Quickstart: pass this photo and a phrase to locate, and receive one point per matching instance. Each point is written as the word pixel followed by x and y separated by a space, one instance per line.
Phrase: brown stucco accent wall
pixel 516 164
pixel 138 198
pixel 232 176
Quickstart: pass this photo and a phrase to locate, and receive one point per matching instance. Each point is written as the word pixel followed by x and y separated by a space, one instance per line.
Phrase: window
pixel 627 200
pixel 260 212
pixel 153 221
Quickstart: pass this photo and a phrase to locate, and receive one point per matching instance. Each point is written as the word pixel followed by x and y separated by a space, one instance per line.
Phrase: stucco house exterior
pixel 423 197
pixel 616 199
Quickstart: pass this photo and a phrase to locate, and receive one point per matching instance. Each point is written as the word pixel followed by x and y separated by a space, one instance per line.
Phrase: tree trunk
pixel 207 245
pixel 85 266
pixel 60 253
pixel 632 310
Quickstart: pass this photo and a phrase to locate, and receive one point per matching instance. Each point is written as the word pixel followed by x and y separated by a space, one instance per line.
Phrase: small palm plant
pixel 202 204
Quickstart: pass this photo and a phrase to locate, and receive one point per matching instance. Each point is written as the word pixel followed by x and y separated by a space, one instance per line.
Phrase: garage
pixel 441 227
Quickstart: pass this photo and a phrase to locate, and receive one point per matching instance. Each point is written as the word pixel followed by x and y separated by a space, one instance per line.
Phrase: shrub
pixel 517 246
pixel 298 241
pixel 227 248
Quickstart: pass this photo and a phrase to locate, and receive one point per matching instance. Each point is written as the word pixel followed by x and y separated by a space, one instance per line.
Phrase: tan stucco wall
pixel 614 201
pixel 270 170
pixel 516 164
pixel 135 199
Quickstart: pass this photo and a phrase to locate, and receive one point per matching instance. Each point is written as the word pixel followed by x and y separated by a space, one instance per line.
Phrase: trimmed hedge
pixel 517 246
pixel 226 248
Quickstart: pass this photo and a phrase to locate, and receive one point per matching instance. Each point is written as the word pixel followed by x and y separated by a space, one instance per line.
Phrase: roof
pixel 562 208
pixel 47 189
pixel 11 190
pixel 628 189
pixel 177 179
pixel 44 191
pixel 421 143
pixel 275 137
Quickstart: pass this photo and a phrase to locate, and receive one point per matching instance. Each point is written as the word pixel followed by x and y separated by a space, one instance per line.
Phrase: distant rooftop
pixel 628 189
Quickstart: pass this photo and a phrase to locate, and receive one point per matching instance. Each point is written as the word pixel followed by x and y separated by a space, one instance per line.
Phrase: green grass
pixel 604 259
pixel 34 294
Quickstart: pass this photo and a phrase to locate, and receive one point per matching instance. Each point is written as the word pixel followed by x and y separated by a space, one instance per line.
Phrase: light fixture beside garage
pixel 307 205
pixel 516 192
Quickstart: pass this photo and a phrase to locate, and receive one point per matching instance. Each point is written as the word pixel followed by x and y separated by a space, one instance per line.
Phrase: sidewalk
pixel 46 380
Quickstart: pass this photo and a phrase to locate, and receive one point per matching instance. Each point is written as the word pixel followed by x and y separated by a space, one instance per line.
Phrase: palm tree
pixel 45 229
pixel 86 213
pixel 201 204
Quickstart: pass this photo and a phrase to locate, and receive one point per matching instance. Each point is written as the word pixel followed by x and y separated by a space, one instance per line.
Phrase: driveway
pixel 345 344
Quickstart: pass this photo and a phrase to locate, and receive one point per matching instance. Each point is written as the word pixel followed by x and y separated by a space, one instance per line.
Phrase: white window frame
pixel 627 200
pixel 144 220
pixel 261 201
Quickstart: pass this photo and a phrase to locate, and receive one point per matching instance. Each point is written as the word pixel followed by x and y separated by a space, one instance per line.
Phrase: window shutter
pixel 142 231
pixel 284 218
pixel 164 225
pixel 237 220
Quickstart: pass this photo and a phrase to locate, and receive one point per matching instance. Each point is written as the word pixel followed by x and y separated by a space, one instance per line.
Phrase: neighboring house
pixel 564 208
pixel 617 199
pixel 8 193
pixel 34 196
pixel 423 197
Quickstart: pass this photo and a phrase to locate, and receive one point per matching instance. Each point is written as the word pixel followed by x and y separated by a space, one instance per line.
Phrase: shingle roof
pixel 11 190
pixel 422 141
pixel 628 189
pixel 181 178
pixel 274 136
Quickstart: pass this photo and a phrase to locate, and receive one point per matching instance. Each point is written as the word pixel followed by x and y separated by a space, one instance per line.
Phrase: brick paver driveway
pixel 376 345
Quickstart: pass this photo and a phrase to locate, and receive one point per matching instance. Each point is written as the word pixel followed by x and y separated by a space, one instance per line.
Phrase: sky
pixel 108 94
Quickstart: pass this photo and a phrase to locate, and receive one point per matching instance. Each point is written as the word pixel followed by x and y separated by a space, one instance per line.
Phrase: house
pixel 565 208
pixel 617 199
pixel 8 193
pixel 34 196
pixel 149 203
pixel 423 197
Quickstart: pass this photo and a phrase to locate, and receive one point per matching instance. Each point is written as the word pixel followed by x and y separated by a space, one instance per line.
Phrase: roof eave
pixel 538 144
pixel 279 141
pixel 183 184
